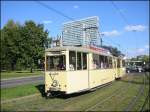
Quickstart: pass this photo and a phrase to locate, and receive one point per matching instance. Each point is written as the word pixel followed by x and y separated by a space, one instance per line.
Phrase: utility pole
pixel 101 40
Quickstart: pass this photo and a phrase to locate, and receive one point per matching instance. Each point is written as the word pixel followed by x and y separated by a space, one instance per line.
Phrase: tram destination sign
pixel 99 49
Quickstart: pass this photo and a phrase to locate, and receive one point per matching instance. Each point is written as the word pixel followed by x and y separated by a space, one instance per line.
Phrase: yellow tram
pixel 70 69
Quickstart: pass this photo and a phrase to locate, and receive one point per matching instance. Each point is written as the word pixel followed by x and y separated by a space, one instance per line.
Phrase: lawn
pixel 95 101
pixel 19 91
pixel 15 74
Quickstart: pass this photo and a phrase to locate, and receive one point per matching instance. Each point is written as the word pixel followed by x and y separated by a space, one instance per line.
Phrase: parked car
pixel 147 67
pixel 134 68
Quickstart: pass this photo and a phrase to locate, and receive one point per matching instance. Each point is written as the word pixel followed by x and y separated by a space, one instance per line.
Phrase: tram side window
pixel 79 62
pixel 101 59
pixel 118 63
pixel 96 62
pixel 110 62
pixel 123 63
pixel 72 60
pixel 48 63
pixel 84 57
pixel 106 62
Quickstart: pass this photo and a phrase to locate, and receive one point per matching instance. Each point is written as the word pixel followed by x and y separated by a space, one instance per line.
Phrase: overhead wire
pixel 109 40
pixel 125 20
pixel 72 19
pixel 121 15
pixel 60 13
pixel 57 11
pixel 120 12
pixel 54 10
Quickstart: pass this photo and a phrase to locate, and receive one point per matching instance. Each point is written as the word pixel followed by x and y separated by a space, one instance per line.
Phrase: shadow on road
pixel 41 89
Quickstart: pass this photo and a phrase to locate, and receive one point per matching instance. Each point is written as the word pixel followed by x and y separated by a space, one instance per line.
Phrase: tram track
pixel 57 96
pixel 82 102
pixel 142 92
pixel 64 104
pixel 77 98
pixel 87 100
pixel 112 95
pixel 147 99
pixel 134 99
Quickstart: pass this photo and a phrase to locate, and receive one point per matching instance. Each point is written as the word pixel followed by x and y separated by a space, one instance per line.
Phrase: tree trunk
pixel 31 70
pixel 12 66
pixel 31 66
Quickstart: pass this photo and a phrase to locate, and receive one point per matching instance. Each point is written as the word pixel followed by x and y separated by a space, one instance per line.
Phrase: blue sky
pixel 112 25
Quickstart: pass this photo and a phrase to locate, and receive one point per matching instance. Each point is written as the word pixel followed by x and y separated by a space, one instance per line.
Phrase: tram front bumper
pixel 54 89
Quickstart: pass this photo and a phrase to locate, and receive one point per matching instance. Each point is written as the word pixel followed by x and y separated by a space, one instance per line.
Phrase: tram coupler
pixel 49 94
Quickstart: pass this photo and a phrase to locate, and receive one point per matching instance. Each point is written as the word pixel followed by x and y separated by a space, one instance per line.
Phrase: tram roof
pixel 80 49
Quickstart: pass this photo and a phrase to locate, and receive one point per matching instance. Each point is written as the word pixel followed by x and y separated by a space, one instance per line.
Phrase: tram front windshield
pixel 55 63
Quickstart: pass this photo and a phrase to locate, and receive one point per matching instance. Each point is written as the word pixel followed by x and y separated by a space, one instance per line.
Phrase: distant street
pixel 21 81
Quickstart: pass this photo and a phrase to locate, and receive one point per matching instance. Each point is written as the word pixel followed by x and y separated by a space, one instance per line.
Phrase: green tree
pixel 9 45
pixel 33 43
pixel 114 51
pixel 22 45
pixel 144 58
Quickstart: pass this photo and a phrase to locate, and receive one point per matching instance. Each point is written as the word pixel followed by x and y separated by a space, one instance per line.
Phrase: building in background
pixel 83 32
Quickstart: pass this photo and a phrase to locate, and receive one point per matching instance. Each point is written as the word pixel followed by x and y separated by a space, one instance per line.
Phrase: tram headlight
pixel 123 69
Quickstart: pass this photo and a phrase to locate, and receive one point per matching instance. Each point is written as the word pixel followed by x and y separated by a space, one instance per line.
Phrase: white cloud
pixel 146 46
pixel 132 52
pixel 47 21
pixel 135 28
pixel 111 33
pixel 76 6
pixel 140 50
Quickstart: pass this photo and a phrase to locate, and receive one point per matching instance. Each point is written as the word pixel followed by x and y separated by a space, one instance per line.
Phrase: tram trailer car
pixel 74 69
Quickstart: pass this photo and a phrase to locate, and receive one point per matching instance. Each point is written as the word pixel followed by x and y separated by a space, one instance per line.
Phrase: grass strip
pixel 19 91
pixel 83 101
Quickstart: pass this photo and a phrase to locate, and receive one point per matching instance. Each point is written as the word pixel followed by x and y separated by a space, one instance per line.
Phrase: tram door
pixel 78 72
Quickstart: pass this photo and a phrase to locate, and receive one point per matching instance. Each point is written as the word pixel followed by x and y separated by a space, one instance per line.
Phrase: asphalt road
pixel 20 81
